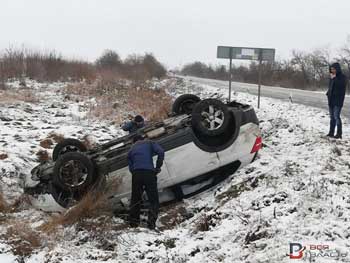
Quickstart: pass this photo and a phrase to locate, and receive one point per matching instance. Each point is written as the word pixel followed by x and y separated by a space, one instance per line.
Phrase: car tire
pixel 210 117
pixel 68 145
pixel 185 103
pixel 67 199
pixel 74 171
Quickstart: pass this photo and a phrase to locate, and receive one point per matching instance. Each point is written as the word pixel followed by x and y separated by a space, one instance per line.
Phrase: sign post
pixel 230 77
pixel 259 80
pixel 248 53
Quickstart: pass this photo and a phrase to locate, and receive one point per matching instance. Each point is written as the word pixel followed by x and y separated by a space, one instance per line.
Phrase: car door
pixel 123 178
pixel 188 161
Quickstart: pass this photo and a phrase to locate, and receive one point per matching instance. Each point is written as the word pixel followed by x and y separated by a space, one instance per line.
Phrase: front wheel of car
pixel 74 171
pixel 210 117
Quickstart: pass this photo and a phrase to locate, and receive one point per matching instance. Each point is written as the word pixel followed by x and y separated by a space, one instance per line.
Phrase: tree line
pixel 304 70
pixel 16 63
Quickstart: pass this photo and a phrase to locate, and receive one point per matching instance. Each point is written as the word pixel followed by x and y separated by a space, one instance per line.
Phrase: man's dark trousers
pixel 144 180
pixel 334 112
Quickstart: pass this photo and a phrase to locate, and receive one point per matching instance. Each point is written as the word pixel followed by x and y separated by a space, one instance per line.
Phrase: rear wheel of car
pixel 69 198
pixel 184 104
pixel 65 198
pixel 73 171
pixel 68 145
pixel 210 117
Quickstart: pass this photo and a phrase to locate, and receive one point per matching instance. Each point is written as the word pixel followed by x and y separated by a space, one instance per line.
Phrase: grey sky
pixel 177 32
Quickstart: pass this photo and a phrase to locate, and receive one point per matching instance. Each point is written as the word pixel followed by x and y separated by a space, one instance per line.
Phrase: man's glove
pixel 158 170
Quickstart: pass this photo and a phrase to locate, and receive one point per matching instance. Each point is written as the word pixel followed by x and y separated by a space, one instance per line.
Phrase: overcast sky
pixel 177 32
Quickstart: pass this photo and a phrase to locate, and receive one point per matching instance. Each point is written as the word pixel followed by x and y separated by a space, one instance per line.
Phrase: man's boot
pixel 339 132
pixel 338 136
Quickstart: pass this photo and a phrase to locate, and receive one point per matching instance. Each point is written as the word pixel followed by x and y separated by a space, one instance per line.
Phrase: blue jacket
pixel 140 156
pixel 131 126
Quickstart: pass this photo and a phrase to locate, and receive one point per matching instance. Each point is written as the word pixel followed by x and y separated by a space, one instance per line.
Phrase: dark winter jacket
pixel 132 126
pixel 336 88
pixel 140 156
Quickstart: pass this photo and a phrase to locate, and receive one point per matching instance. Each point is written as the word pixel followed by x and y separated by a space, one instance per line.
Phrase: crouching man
pixel 132 126
pixel 144 176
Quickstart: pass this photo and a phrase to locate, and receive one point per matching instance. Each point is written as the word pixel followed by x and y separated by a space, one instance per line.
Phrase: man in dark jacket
pixel 336 95
pixel 132 126
pixel 144 175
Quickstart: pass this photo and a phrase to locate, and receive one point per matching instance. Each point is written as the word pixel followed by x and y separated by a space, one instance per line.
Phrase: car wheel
pixel 68 145
pixel 66 199
pixel 210 117
pixel 184 104
pixel 73 171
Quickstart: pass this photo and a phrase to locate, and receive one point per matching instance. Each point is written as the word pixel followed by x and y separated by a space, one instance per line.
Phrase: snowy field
pixel 296 191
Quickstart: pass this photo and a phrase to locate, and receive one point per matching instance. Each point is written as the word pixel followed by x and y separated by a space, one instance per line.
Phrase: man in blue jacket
pixel 336 95
pixel 132 126
pixel 144 176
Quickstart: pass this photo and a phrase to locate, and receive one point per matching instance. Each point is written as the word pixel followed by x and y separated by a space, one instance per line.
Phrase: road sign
pixel 267 54
pixel 249 53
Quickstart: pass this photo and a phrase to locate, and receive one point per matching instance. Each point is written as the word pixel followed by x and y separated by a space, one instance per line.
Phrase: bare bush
pixel 22 239
pixel 94 204
pixel 4 207
pixel 109 60
pixel 46 143
pixel 43 156
pixel 26 95
pixel 43 66
pixel 155 105
pixel 3 156
pixel 56 137
pixel 22 62
pixel 118 96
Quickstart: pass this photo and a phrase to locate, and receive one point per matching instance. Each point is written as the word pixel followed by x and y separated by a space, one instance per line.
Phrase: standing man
pixel 336 95
pixel 144 175
pixel 132 126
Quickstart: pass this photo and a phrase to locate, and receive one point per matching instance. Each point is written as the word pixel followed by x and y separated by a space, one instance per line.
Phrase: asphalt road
pixel 310 98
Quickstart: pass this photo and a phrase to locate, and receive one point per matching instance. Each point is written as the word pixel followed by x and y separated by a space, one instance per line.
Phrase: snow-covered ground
pixel 296 191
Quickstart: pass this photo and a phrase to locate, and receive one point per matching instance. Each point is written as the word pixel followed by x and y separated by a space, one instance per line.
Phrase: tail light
pixel 257 145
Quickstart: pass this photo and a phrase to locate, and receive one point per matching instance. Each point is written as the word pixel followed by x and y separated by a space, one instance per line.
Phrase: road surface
pixel 311 98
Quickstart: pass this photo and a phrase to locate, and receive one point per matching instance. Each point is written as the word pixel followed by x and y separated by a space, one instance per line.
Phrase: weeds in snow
pixel 93 205
pixel 22 238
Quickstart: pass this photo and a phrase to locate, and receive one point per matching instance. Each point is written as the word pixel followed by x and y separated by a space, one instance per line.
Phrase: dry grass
pixel 46 143
pixel 113 97
pixel 173 215
pixel 155 105
pixel 19 204
pixel 22 238
pixel 56 137
pixel 4 207
pixel 94 204
pixel 3 156
pixel 43 155
pixel 203 224
pixel 206 221
pixel 19 95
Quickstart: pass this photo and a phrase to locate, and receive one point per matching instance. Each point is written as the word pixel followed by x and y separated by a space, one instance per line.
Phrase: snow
pixel 296 191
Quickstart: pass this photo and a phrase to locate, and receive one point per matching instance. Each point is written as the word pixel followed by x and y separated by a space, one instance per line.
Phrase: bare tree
pixel 344 58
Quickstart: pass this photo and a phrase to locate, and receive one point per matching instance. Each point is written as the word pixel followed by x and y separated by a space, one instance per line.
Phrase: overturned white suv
pixel 204 141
